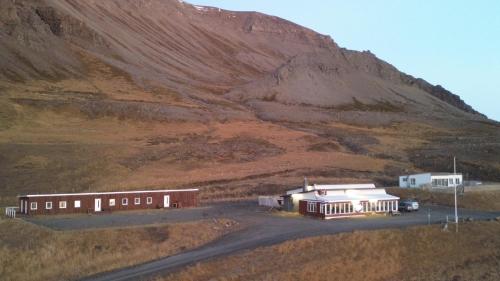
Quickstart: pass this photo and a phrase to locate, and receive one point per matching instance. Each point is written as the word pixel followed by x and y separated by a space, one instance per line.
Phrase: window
pixel 149 200
pixel 137 200
pixel 124 201
pixel 311 207
pixel 444 182
pixel 328 209
pixel 78 204
pixel 412 181
pixel 441 182
pixel 33 206
pixel 321 209
pixel 112 202
pixel 62 204
pixel 405 179
pixel 457 181
pixel 48 205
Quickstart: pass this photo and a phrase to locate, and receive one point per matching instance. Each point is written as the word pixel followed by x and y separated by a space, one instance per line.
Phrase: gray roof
pixel 434 174
pixel 444 174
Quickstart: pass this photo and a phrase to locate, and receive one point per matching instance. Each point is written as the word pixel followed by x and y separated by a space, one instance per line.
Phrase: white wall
pixel 415 181
pixel 419 180
pixel 301 196
pixel 446 179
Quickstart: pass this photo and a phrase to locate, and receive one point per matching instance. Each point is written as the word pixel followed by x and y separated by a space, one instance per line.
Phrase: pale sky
pixel 454 43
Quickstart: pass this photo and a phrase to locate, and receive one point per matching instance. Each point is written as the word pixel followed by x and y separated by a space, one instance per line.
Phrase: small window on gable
pixel 78 204
pixel 33 205
pixel 48 205
pixel 137 200
pixel 62 204
pixel 149 200
pixel 124 201
pixel 112 202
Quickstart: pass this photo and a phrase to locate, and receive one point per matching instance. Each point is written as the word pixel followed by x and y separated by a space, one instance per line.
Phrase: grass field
pixel 486 200
pixel 417 253
pixel 29 252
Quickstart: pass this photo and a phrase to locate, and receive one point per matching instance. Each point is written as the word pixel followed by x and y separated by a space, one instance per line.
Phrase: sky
pixel 453 43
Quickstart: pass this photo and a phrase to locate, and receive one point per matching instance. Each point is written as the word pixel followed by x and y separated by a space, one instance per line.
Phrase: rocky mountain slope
pixel 133 93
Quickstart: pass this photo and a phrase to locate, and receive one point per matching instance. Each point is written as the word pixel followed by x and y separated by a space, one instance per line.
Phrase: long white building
pixel 432 180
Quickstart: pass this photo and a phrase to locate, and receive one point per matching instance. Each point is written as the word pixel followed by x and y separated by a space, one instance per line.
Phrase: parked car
pixel 408 205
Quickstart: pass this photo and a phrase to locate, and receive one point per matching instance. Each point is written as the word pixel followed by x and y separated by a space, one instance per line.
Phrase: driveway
pixel 259 228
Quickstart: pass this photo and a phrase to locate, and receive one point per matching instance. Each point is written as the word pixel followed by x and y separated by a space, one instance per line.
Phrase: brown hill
pixel 134 93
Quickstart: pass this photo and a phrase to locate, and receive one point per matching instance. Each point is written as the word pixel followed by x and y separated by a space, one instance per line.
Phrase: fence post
pixel 10 212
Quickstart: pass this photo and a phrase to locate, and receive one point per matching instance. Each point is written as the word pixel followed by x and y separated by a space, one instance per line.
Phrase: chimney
pixel 306 187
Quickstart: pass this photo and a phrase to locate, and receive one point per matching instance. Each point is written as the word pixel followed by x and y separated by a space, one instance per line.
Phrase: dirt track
pixel 259 228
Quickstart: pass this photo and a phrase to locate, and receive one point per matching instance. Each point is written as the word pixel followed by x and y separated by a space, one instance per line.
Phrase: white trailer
pixel 432 180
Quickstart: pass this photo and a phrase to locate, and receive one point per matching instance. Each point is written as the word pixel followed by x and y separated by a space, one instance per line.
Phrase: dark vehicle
pixel 408 205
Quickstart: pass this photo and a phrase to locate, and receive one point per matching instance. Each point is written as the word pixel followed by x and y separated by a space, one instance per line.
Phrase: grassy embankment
pixel 479 200
pixel 417 253
pixel 29 252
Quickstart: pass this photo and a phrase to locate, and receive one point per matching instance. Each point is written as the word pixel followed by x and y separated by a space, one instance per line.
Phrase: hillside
pixel 106 95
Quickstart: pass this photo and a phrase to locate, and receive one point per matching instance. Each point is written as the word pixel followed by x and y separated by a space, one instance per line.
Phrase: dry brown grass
pixel 47 151
pixel 418 253
pixel 29 252
pixel 480 200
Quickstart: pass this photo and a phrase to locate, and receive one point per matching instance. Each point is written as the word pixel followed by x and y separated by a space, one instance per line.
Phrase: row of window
pixel 112 202
pixel 437 182
pixel 445 182
pixel 346 208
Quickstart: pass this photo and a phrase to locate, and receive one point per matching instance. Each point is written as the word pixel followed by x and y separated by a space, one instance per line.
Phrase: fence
pixel 269 201
pixel 11 211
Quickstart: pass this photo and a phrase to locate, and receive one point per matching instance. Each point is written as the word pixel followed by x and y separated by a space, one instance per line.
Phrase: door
pixel 97 205
pixel 25 206
pixel 166 201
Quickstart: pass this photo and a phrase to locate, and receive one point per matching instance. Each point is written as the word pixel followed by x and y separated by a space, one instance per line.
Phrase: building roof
pixel 354 195
pixel 332 187
pixel 445 174
pixel 108 193
pixel 434 174
pixel 294 191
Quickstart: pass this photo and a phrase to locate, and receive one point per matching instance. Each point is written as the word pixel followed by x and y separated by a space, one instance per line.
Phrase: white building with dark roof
pixel 431 180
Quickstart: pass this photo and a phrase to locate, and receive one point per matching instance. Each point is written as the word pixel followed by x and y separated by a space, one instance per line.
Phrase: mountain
pixel 147 93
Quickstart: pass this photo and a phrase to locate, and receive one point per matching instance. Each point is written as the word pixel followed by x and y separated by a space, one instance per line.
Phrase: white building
pixel 433 180
pixel 331 201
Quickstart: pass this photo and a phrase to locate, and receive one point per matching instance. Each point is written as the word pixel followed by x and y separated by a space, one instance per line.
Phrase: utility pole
pixel 455 185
